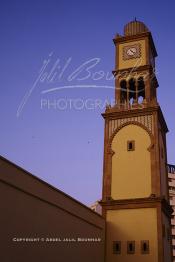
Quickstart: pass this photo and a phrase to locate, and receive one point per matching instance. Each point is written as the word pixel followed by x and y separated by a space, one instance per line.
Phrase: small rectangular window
pixel 116 247
pixel 130 247
pixel 131 145
pixel 145 246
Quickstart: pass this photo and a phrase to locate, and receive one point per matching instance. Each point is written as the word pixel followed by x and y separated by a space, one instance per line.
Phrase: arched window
pixel 141 89
pixel 132 90
pixel 123 91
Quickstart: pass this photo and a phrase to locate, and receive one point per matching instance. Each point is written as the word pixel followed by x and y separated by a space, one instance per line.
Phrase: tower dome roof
pixel 135 27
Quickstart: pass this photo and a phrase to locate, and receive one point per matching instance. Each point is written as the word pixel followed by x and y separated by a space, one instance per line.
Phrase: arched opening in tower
pixel 141 89
pixel 132 91
pixel 123 91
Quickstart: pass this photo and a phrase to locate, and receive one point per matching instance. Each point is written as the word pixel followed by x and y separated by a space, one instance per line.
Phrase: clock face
pixel 132 51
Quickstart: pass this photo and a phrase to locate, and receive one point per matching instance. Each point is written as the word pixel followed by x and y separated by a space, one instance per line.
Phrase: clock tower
pixel 135 200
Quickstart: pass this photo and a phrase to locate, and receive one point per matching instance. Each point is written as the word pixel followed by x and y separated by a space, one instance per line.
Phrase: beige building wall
pixel 32 209
pixel 126 184
pixel 132 225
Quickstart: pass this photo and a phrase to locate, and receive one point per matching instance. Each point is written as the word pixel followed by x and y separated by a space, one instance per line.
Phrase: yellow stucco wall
pixel 132 62
pixel 132 225
pixel 131 170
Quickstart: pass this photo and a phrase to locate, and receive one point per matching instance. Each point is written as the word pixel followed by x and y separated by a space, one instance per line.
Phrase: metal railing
pixel 171 169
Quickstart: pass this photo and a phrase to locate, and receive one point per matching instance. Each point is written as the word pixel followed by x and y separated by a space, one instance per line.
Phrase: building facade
pixel 135 202
pixel 171 183
pixel 96 207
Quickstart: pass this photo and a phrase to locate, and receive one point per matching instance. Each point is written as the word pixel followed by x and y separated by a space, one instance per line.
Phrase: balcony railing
pixel 171 169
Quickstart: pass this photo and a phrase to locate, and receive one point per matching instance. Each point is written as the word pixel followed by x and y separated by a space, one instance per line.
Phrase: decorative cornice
pixel 113 202
pixel 145 120
pixel 134 69
pixel 134 203
pixel 115 113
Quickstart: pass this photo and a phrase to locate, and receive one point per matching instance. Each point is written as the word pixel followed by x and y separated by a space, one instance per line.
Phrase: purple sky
pixel 64 145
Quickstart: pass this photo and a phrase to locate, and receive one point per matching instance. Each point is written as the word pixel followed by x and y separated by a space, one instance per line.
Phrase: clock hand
pixel 132 51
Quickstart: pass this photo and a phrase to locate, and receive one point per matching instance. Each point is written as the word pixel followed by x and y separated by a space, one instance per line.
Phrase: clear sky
pixel 58 135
